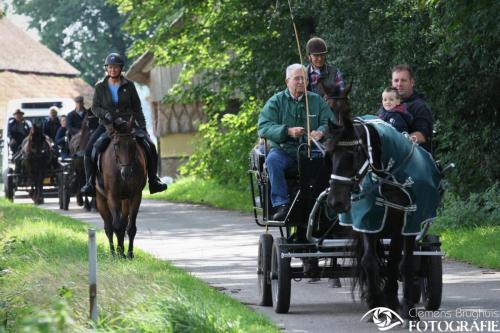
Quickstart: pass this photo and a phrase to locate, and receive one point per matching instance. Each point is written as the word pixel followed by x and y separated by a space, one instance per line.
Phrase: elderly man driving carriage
pixel 283 123
pixel 115 101
pixel 17 130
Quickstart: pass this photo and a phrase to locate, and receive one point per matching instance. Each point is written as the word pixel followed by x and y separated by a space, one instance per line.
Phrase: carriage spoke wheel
pixel 264 269
pixel 432 282
pixel 280 278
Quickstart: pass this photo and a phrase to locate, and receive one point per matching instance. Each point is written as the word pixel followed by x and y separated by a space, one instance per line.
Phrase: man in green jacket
pixel 282 122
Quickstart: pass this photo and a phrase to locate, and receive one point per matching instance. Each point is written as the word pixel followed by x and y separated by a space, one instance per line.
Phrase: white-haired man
pixel 282 122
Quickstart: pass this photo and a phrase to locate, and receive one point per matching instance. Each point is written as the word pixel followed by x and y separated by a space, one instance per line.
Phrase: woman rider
pixel 115 100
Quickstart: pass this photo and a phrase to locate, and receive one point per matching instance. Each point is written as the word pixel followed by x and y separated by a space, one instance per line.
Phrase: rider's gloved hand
pixel 109 117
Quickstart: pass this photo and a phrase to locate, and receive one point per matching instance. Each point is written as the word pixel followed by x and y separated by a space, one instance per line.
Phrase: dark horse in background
pixel 36 158
pixel 120 181
pixel 77 146
pixel 355 148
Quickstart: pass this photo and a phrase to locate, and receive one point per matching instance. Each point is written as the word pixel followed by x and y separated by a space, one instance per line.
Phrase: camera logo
pixel 384 318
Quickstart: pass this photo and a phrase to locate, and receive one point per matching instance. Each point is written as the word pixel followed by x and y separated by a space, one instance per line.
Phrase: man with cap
pixel 115 101
pixel 75 118
pixel 17 130
pixel 52 123
pixel 323 78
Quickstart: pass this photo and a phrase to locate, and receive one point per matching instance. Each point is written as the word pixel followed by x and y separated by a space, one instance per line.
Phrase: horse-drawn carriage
pixel 311 234
pixel 17 178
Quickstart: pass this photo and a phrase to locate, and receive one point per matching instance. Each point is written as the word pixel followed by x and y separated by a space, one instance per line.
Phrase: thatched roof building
pixel 28 69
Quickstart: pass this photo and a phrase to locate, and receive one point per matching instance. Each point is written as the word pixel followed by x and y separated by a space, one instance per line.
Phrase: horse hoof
pixel 130 255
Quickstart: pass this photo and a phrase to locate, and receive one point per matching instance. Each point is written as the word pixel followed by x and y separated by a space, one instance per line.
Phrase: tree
pixel 83 32
pixel 243 46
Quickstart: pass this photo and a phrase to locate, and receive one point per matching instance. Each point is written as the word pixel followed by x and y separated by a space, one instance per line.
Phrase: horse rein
pixel 117 156
pixel 368 164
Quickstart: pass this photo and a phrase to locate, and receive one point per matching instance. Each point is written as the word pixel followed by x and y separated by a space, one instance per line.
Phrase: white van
pixel 35 110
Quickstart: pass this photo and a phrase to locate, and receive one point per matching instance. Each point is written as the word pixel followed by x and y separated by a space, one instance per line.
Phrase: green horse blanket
pixel 410 168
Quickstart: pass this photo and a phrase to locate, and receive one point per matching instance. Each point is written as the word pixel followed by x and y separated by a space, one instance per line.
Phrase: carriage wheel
pixel 264 269
pixel 9 188
pixel 66 196
pixel 60 186
pixel 432 282
pixel 280 279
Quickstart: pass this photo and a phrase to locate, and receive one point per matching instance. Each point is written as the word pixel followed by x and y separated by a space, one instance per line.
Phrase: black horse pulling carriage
pixel 311 235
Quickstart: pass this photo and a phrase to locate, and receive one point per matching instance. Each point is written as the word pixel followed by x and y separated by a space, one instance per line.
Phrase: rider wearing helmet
pixel 323 79
pixel 115 101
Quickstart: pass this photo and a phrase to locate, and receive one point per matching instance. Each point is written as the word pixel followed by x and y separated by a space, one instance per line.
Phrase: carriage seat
pixel 258 158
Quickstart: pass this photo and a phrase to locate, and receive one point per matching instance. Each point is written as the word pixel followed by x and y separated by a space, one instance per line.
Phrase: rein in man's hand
pixel 296 132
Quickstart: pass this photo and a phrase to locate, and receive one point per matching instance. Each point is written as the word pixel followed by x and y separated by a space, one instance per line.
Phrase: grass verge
pixel 478 245
pixel 207 192
pixel 43 284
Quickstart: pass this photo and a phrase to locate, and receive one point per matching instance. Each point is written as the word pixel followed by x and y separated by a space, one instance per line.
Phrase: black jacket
pixel 74 122
pixel 128 102
pixel 50 127
pixel 422 117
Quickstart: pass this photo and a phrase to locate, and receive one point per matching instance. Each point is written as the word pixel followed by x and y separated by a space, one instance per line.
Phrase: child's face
pixel 390 100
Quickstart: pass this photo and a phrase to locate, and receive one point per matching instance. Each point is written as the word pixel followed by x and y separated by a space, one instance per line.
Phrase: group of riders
pixel 114 104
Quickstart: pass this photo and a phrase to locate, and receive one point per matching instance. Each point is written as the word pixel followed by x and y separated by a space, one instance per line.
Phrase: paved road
pixel 220 247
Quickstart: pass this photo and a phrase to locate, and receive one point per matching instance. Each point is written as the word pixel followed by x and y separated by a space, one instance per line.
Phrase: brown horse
pixel 35 160
pixel 119 186
pixel 77 146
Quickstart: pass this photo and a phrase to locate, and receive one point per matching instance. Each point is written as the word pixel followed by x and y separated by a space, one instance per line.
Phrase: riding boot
pixel 155 183
pixel 89 187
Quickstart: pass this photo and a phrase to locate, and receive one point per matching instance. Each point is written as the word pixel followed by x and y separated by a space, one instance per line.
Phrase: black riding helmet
pixel 316 45
pixel 114 59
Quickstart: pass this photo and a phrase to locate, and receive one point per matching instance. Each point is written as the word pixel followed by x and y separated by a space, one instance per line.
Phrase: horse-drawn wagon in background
pixel 38 174
pixel 312 233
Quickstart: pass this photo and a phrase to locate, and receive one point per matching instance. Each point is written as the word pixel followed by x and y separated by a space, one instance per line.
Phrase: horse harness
pixel 383 175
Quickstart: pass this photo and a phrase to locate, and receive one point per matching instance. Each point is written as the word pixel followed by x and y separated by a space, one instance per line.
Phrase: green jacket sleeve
pixel 137 107
pixel 270 126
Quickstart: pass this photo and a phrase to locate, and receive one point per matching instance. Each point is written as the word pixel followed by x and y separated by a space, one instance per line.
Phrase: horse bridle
pixel 117 156
pixel 355 180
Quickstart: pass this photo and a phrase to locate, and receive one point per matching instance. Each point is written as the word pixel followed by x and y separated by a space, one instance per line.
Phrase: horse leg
pixel 393 273
pixel 407 271
pixel 370 264
pixel 102 206
pixel 132 227
pixel 115 207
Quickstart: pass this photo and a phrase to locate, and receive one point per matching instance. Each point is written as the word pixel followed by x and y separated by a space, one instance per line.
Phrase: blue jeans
pixel 277 161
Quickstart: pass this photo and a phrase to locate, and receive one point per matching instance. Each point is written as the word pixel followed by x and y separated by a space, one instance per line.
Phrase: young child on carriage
pixel 394 112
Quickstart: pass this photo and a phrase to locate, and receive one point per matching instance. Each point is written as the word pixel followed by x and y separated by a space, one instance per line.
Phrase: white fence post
pixel 92 275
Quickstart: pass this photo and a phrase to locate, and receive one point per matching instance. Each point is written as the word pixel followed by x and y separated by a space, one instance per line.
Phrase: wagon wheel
pixel 66 195
pixel 264 269
pixel 280 278
pixel 9 184
pixel 60 186
pixel 432 282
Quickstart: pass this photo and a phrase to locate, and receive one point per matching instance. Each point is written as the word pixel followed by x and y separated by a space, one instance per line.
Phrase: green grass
pixel 44 288
pixel 478 245
pixel 208 192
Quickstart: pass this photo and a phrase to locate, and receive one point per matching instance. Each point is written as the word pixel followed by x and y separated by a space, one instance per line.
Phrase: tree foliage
pixel 83 32
pixel 241 48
